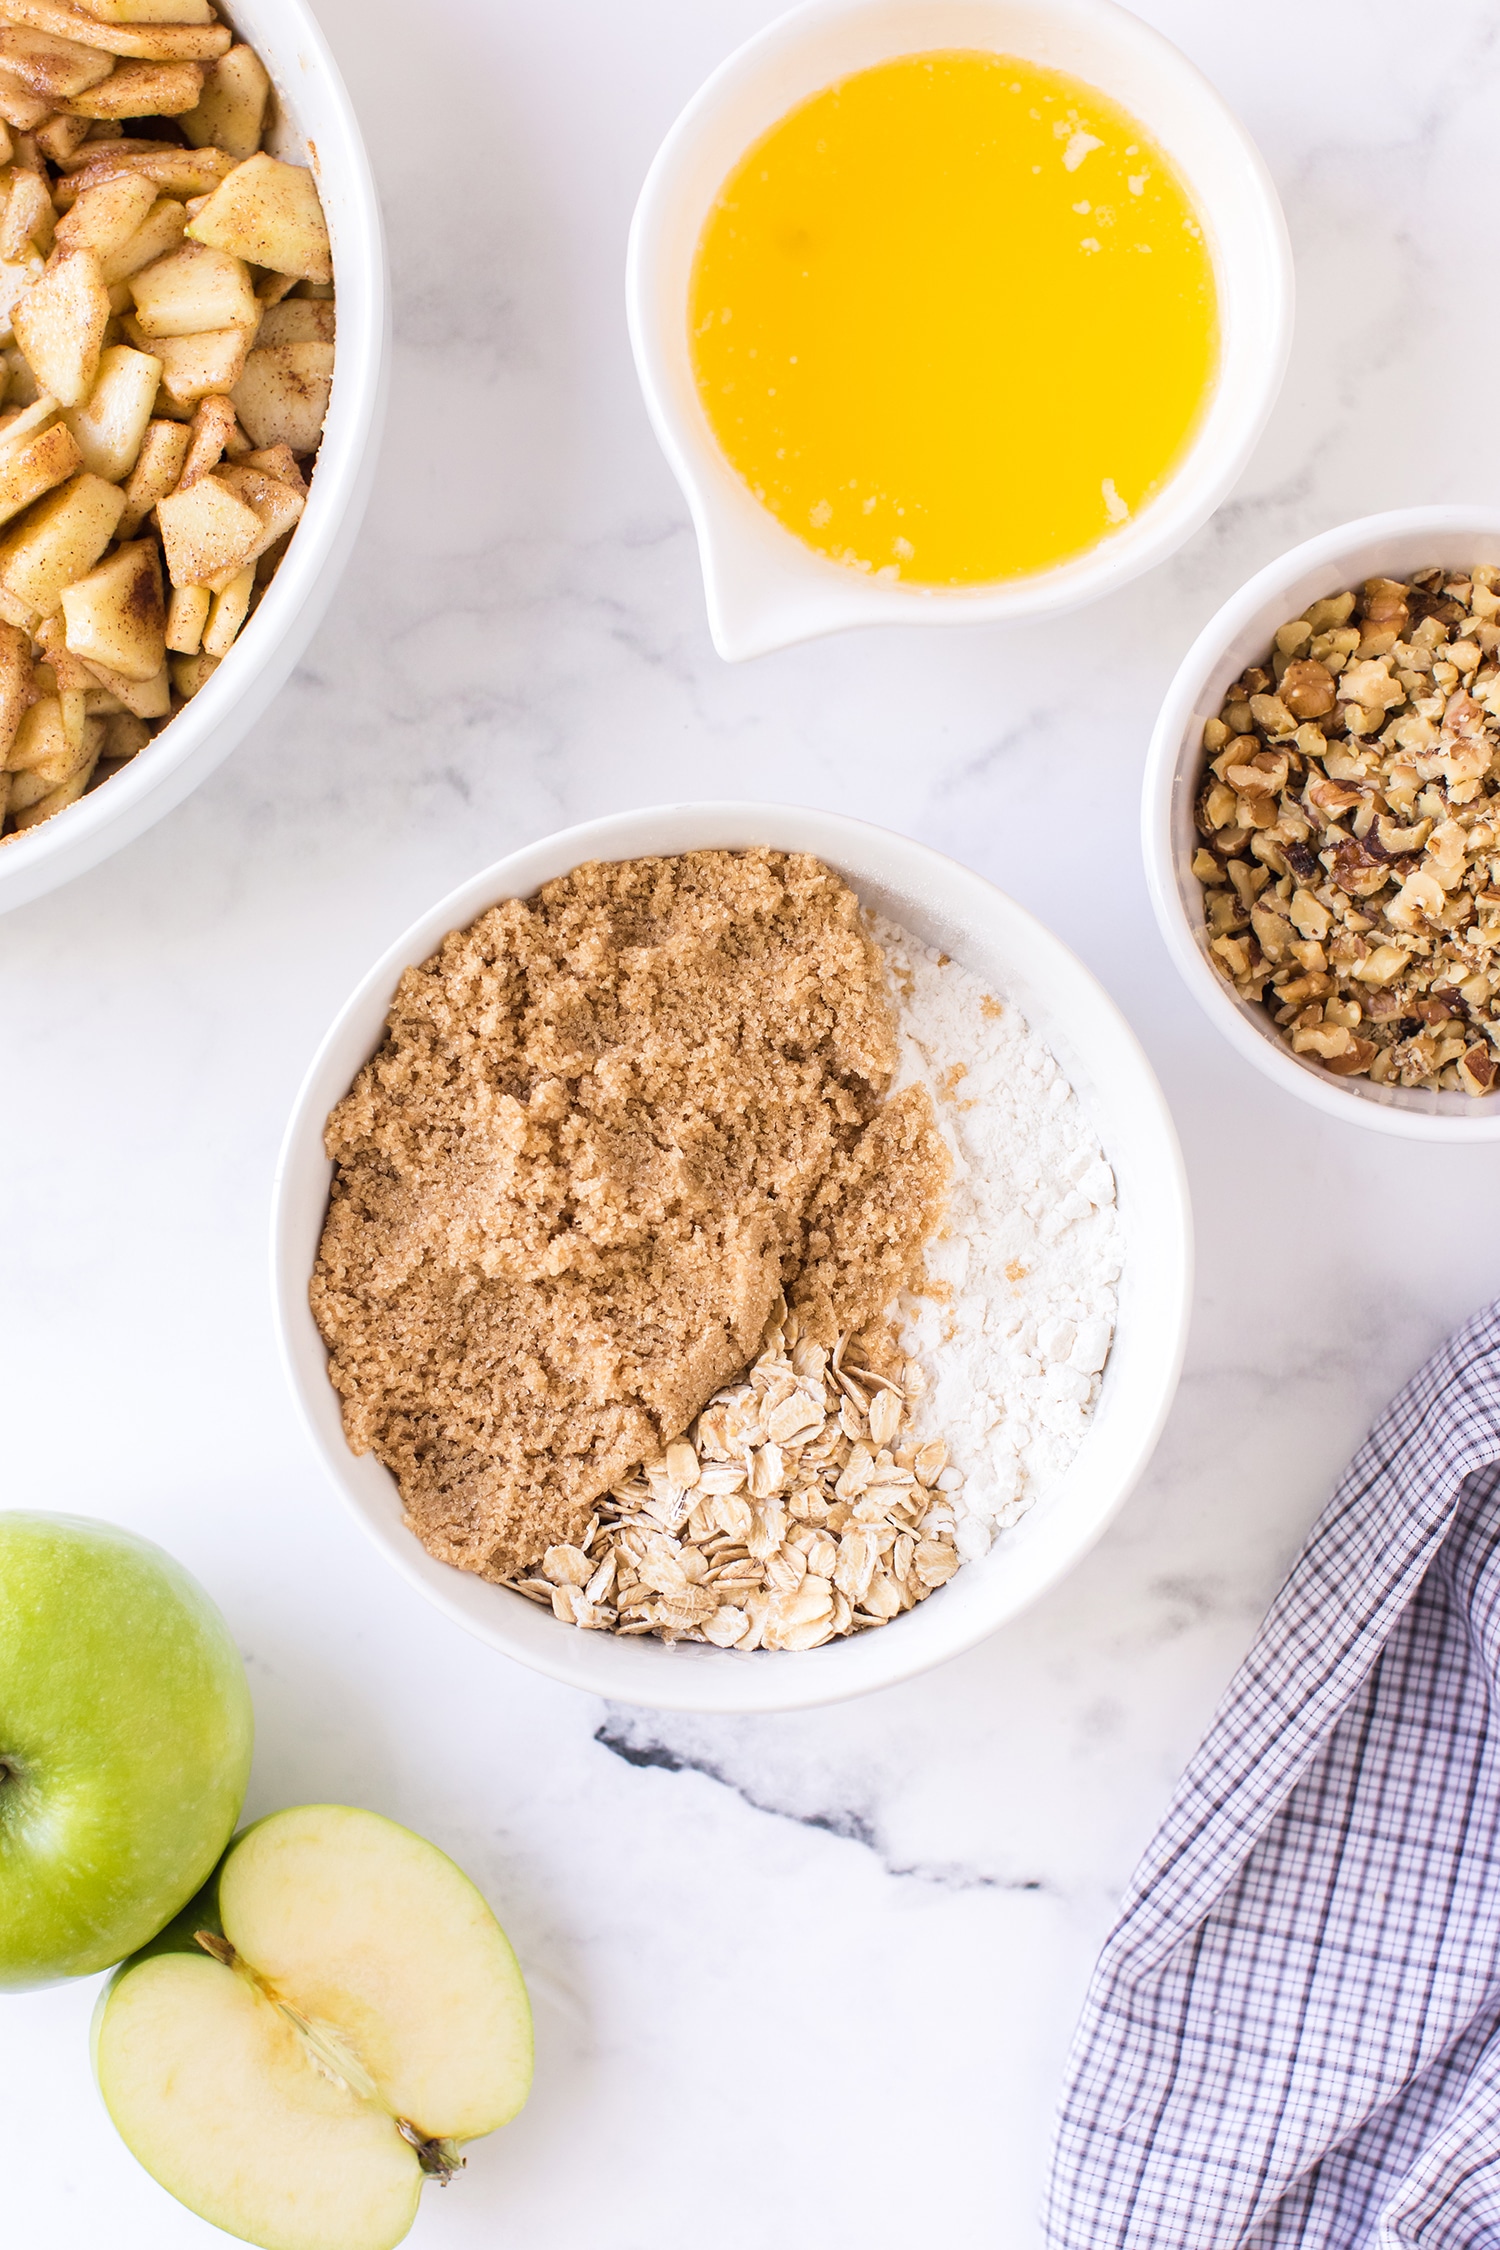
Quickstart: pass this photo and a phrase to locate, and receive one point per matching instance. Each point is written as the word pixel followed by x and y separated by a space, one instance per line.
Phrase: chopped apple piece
pixel 56 16
pixel 352 2013
pixel 232 112
pixel 150 11
pixel 182 41
pixel 278 506
pixel 31 801
pixel 192 366
pixel 192 289
pixel 111 423
pixel 125 736
pixel 269 214
pixel 159 232
pixel 158 465
pixel 65 754
pixel 29 218
pixel 207 531
pixel 36 466
pixel 15 280
pixel 61 137
pixel 189 673
pixel 231 608
pixel 60 324
pixel 275 461
pixel 176 171
pixel 17 685
pixel 42 749
pixel 213 428
pixel 22 110
pixel 26 421
pixel 166 42
pixel 116 616
pixel 272 287
pixel 147 699
pixel 141 89
pixel 105 219
pixel 282 396
pixel 51 68
pixel 57 801
pixel 73 681
pixel 59 539
pixel 186 617
pixel 300 320
pixel 39 736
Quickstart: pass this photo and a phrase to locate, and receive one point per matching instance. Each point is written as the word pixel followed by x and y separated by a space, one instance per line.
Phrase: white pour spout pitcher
pixel 764 587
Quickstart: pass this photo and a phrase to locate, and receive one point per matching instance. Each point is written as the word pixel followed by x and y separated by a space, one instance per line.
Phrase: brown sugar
pixel 606 1126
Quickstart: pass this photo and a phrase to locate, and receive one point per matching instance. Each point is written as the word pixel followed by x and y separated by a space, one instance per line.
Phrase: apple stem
pixel 329 2052
pixel 438 2159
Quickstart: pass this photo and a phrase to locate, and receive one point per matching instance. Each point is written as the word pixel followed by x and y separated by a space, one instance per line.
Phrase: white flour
pixel 1030 1251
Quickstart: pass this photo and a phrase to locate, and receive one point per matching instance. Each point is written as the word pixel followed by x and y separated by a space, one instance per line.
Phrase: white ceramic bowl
pixel 989 933
pixel 1392 546
pixel 314 124
pixel 765 588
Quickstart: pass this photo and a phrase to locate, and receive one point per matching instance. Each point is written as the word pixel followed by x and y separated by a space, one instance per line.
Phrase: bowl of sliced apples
pixel 193 348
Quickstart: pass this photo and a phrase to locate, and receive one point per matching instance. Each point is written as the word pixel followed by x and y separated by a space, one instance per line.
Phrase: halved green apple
pixel 316 2033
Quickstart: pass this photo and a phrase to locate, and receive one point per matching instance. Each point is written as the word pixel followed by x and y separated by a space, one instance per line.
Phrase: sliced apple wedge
pixel 316 2033
pixel 216 2093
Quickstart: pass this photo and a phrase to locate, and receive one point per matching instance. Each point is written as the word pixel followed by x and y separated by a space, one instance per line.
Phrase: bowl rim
pixel 631 1673
pixel 1176 745
pixel 834 598
pixel 207 729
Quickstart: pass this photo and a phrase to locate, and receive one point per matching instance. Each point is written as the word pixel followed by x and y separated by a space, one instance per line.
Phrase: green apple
pixel 125 1733
pixel 316 2033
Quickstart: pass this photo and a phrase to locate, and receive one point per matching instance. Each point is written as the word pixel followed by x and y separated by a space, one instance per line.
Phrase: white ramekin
pixel 1386 546
pixel 764 587
pixel 316 125
pixel 949 906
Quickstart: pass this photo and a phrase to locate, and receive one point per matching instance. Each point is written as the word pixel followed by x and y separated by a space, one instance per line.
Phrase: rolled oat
pixel 797 1509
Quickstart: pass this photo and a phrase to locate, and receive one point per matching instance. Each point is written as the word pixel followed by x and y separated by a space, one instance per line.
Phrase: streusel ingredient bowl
pixel 945 905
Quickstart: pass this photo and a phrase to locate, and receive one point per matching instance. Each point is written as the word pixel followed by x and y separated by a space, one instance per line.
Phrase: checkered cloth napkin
pixel 1293 2033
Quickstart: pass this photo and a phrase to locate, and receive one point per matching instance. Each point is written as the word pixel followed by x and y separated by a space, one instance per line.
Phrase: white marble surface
pixel 807 1979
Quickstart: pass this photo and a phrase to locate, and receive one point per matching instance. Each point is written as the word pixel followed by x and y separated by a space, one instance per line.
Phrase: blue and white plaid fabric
pixel 1293 2033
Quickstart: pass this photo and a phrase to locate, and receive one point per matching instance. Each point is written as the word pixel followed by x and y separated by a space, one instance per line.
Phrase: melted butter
pixel 954 318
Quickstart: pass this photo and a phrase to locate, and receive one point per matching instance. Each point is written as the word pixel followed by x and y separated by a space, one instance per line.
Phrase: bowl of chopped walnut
pixel 1322 822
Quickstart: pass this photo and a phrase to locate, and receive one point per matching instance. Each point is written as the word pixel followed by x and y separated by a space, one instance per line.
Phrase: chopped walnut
pixel 1349 810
